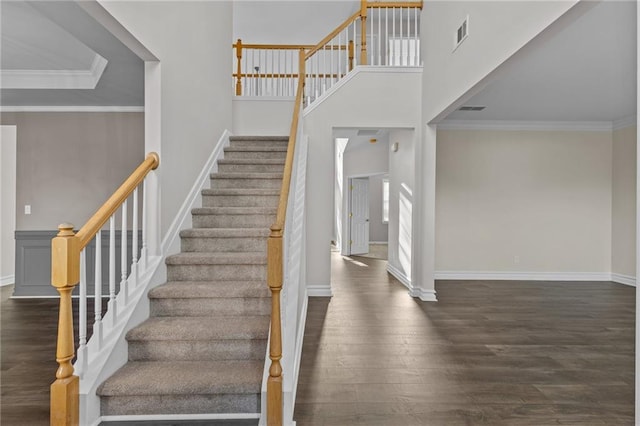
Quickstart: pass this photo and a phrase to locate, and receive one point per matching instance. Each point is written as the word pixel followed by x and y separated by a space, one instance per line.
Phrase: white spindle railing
pixel 125 273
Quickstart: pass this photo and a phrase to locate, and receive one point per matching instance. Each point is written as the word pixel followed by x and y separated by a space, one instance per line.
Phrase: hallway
pixel 488 353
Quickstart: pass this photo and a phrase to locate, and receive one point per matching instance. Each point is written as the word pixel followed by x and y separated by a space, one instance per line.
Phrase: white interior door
pixel 359 216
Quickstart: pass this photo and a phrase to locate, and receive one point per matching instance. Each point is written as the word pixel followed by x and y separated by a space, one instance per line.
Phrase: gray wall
pixel 69 163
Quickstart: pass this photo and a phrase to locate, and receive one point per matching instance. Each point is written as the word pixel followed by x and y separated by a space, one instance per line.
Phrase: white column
pixel 423 264
pixel 152 143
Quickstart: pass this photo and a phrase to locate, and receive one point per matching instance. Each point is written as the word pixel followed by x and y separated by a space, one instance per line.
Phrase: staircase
pixel 202 350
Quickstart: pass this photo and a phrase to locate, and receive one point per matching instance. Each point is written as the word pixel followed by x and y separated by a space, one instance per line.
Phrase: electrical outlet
pixel 27 209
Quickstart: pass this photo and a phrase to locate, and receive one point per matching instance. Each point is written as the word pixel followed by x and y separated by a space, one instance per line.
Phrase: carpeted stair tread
pixel 210 289
pixel 274 148
pixel 240 191
pixel 185 378
pixel 253 161
pixel 198 258
pixel 202 328
pixel 224 233
pixel 231 175
pixel 234 210
pixel 259 138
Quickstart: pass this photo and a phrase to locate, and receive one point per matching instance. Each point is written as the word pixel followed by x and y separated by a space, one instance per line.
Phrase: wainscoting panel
pixel 33 263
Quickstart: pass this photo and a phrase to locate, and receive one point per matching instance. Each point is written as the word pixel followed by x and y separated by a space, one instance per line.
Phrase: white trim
pixel 7 280
pixel 374 243
pixel 265 98
pixel 575 126
pixel 71 108
pixel 400 276
pixel 183 218
pixel 319 291
pixel 523 276
pixel 424 295
pixel 161 417
pixel 623 279
pixel 55 79
pixel 357 70
pixel 625 122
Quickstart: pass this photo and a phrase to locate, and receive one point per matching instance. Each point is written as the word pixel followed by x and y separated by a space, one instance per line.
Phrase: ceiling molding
pixel 625 122
pixel 55 79
pixel 82 108
pixel 576 126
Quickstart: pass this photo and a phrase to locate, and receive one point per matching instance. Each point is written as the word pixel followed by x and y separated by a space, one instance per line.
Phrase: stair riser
pixel 211 306
pixel 250 168
pixel 228 221
pixel 216 272
pixel 197 350
pixel 239 200
pixel 217 183
pixel 180 404
pixel 259 144
pixel 265 155
pixel 215 245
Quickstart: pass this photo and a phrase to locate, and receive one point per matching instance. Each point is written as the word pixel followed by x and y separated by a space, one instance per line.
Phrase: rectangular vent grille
pixel 462 33
pixel 471 108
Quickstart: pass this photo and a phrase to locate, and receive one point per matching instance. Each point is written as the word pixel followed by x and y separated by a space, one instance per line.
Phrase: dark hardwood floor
pixel 487 353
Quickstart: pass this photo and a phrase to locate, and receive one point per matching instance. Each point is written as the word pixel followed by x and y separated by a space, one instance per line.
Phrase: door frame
pixel 345 250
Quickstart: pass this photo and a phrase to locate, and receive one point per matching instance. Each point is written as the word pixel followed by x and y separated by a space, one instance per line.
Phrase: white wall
pixel 399 107
pixel 262 116
pixel 378 231
pixel 7 203
pixel 192 41
pixel 401 203
pixel 497 30
pixel 623 227
pixel 289 22
pixel 525 201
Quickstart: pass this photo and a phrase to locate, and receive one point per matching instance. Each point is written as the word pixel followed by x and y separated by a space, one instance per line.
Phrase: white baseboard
pixel 400 276
pixel 424 295
pixel 319 291
pixel 529 276
pixel 378 243
pixel 7 280
pixel 623 279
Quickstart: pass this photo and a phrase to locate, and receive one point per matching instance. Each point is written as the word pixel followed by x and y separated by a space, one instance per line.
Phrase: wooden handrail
pixel 100 217
pixel 381 4
pixel 332 34
pixel 254 75
pixel 65 275
pixel 274 46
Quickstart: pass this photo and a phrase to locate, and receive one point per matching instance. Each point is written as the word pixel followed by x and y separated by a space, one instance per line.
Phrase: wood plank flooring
pixel 488 353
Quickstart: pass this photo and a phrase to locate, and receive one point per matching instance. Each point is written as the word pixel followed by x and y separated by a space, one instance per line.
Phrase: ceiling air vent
pixel 471 108
pixel 461 33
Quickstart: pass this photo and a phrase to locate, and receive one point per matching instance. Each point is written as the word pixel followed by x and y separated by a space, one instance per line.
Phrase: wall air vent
pixel 471 108
pixel 461 33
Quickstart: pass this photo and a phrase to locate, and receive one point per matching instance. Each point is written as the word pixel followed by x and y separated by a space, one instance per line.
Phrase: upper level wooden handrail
pixel 382 4
pixel 100 217
pixel 332 34
pixel 275 46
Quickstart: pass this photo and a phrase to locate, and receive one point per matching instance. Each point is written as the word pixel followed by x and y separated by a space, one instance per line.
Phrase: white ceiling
pixel 585 72
pixel 54 54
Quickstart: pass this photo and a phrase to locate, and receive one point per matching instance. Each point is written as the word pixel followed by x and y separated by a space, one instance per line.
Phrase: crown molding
pixel 55 79
pixel 62 108
pixel 576 126
pixel 625 122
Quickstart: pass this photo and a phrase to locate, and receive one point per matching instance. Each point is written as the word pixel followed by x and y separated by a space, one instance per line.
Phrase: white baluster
pixel 401 41
pixel 394 53
pixel 379 36
pixel 324 67
pixel 331 67
pixel 124 288
pixel 81 362
pixel 97 294
pixel 134 241
pixel 112 307
pixel 339 73
pixel 370 44
pixel 346 50
pixel 386 34
pixel 416 39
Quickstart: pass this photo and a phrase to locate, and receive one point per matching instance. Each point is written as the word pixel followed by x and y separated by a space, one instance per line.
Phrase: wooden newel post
pixel 239 72
pixel 351 55
pixel 274 280
pixel 363 24
pixel 65 274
